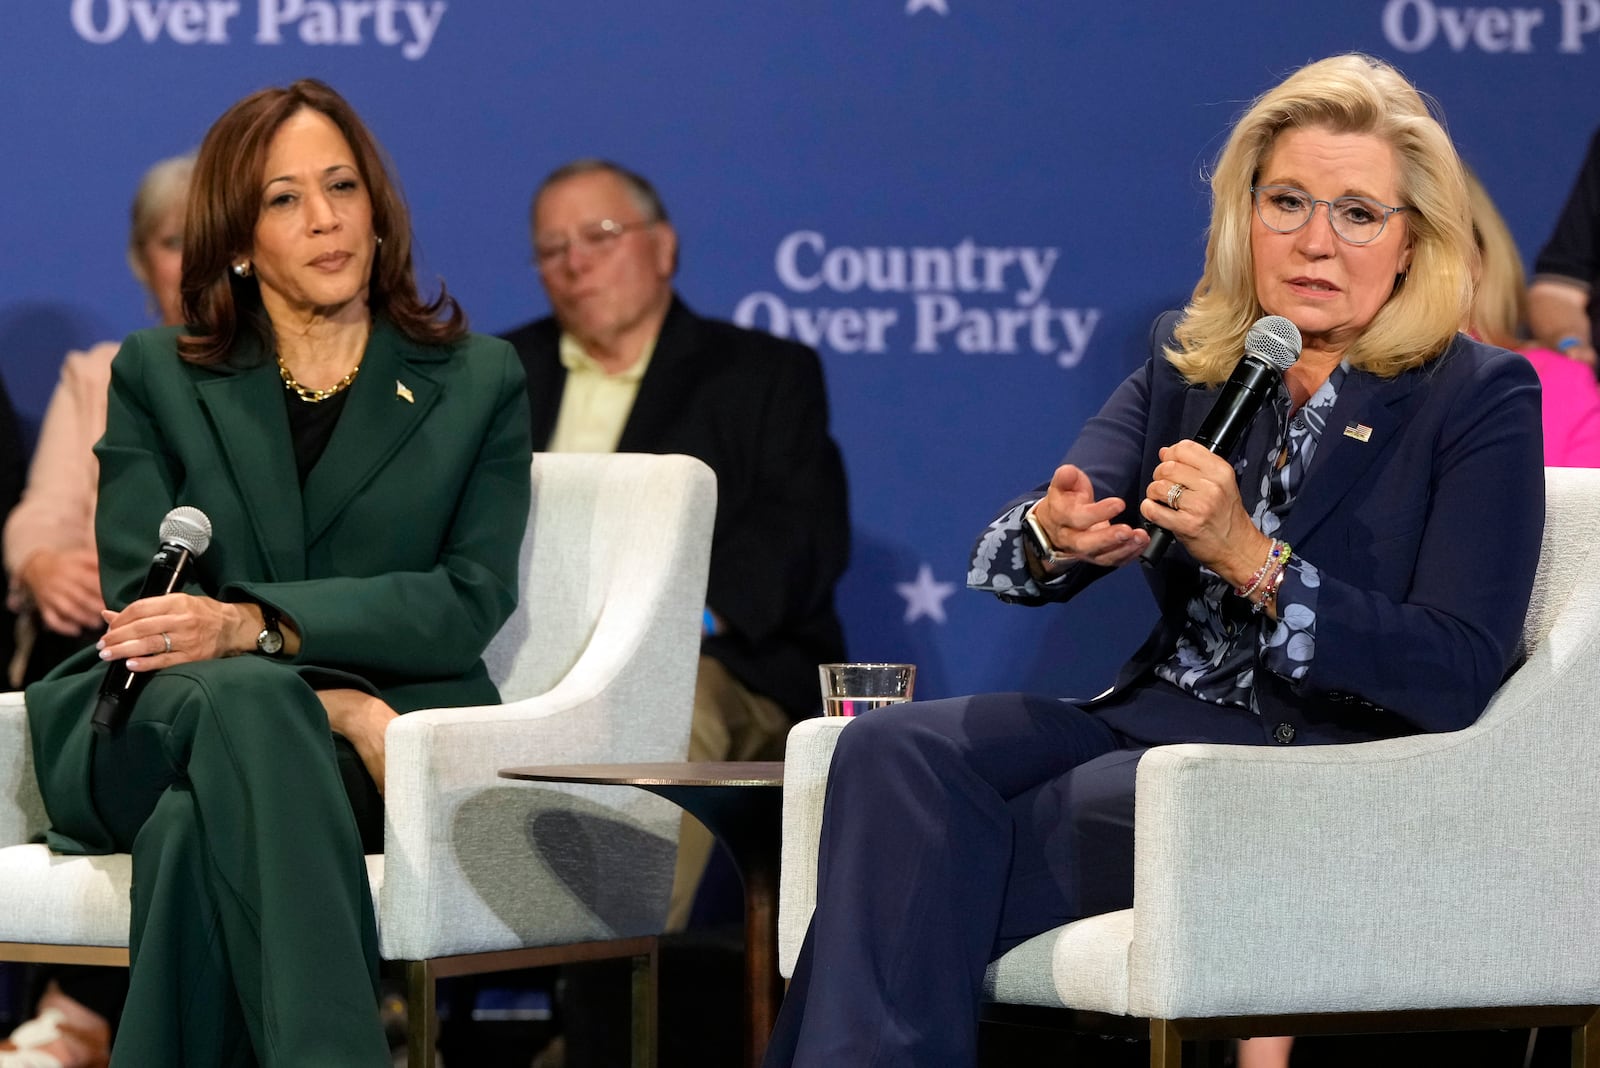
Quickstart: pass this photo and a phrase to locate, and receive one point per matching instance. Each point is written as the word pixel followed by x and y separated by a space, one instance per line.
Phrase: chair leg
pixel 1586 1043
pixel 421 1015
pixel 1166 1047
pixel 644 1009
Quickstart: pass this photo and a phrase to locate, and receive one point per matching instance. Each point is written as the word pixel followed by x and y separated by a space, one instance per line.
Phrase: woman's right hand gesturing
pixel 1081 526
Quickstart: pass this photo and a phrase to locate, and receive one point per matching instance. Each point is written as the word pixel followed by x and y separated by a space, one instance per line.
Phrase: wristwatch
pixel 270 640
pixel 1042 546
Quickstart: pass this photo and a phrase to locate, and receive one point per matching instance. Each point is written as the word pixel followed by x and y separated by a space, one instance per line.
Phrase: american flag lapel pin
pixel 1359 431
pixel 404 394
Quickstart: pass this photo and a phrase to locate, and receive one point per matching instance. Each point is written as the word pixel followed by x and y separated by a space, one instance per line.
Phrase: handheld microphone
pixel 185 534
pixel 1270 348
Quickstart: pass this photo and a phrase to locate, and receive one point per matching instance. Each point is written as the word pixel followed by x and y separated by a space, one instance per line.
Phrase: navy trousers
pixel 953 831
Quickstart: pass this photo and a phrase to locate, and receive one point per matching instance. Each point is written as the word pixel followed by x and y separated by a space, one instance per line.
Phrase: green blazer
pixel 396 562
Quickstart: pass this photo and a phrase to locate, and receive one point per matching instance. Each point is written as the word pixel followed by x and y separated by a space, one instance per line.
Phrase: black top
pixel 311 424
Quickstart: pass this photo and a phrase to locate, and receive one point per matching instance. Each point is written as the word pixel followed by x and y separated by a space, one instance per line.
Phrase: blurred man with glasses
pixel 623 365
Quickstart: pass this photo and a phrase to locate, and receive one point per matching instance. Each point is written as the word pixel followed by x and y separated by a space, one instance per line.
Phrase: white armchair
pixel 1443 881
pixel 597 664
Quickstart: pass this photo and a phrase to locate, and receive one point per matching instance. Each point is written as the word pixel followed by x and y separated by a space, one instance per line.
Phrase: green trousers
pixel 253 939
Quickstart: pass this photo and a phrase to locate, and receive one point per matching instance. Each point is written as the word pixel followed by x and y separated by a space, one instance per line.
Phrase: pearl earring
pixel 242 270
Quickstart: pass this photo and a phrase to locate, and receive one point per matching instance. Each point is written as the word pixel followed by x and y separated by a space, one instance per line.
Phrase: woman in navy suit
pixel 1326 585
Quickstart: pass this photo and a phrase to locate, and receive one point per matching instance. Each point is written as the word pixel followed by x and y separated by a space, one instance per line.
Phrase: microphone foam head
pixel 1273 340
pixel 188 527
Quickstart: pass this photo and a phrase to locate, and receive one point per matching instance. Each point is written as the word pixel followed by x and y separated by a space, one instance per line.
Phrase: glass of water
pixel 851 689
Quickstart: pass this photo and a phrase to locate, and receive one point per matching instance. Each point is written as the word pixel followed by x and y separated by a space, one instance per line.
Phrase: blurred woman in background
pixel 49 537
pixel 54 575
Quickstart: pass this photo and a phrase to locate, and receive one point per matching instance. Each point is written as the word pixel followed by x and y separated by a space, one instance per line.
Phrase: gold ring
pixel 1173 494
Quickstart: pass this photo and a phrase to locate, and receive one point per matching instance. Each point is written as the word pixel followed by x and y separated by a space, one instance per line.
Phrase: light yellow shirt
pixel 594 404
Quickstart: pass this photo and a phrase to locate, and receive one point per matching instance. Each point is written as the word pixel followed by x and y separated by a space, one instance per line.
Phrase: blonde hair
pixel 164 185
pixel 1501 305
pixel 1351 94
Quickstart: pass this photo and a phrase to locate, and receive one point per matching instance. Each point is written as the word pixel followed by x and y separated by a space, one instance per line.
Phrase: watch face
pixel 270 642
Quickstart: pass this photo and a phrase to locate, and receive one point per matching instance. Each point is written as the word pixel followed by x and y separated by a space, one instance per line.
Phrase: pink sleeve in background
pixel 1571 410
pixel 57 506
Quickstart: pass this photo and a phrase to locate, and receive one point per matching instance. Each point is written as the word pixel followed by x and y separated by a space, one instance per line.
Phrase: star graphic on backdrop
pixel 925 597
pixel 914 6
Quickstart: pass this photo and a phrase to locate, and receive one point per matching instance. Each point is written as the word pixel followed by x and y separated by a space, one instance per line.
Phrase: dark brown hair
pixel 225 202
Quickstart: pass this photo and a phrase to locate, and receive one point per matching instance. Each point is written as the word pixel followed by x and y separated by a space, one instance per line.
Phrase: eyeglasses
pixel 595 239
pixel 1285 209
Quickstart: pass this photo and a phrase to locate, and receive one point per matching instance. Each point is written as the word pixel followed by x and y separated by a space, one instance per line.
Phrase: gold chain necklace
pixel 313 396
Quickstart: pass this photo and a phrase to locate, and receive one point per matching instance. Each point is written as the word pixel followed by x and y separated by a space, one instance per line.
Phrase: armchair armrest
pixel 805 787
pixel 597 665
pixel 1452 866
pixel 22 813
pixel 473 862
pixel 515 864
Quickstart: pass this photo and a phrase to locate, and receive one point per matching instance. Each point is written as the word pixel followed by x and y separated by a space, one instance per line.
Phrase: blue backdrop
pixel 974 209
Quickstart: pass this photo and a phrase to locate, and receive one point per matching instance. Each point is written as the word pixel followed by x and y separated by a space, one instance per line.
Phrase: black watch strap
pixel 270 640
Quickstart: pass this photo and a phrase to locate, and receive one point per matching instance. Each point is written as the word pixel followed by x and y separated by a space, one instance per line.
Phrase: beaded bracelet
pixel 1275 579
pixel 1279 551
pixel 1270 598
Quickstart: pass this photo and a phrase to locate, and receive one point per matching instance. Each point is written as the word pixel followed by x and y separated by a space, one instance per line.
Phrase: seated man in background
pixel 623 365
pixel 1569 396
pixel 50 557
pixel 1561 311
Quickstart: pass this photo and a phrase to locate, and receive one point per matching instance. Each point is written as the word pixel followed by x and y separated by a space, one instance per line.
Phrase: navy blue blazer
pixel 1426 536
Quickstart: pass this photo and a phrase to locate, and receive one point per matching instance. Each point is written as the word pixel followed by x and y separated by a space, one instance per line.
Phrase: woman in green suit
pixel 364 464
